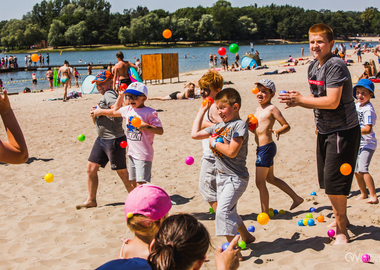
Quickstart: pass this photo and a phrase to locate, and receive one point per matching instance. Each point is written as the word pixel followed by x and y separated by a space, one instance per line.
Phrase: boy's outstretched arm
pixel 197 132
pixel 230 150
pixel 15 151
pixel 328 102
pixel 285 127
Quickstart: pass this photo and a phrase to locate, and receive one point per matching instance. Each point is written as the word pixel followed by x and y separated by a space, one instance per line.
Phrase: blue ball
pixel 251 228
pixel 282 92
pixel 219 139
pixel 225 246
pixel 311 222
pixel 275 211
pixel 300 222
pixel 312 209
pixel 313 193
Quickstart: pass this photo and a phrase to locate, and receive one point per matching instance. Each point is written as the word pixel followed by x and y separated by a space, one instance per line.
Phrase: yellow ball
pixel 305 221
pixel 271 214
pixel 129 215
pixel 263 218
pixel 281 212
pixel 49 178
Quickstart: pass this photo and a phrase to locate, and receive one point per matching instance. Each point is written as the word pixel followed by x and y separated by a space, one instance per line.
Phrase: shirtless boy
pixel 267 114
pixel 120 70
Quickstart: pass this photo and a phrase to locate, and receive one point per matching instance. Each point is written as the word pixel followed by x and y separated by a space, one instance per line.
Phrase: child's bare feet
pixel 341 239
pixel 87 204
pixel 373 200
pixel 361 197
pixel 296 203
pixel 333 224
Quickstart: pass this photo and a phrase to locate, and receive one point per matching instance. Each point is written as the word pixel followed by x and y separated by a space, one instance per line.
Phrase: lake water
pixel 197 58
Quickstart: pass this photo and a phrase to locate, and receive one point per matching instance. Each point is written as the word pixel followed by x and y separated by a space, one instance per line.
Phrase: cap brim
pixel 133 92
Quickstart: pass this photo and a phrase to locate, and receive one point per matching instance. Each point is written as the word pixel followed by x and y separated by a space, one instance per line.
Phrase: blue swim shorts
pixel 265 155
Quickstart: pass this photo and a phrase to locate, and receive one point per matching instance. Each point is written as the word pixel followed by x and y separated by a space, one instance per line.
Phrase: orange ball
pixel 167 33
pixel 263 218
pixel 35 57
pixel 136 122
pixel 345 169
pixel 253 120
pixel 320 218
pixel 255 90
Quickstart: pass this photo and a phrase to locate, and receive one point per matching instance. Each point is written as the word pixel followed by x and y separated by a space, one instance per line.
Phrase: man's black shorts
pixel 333 150
pixel 109 150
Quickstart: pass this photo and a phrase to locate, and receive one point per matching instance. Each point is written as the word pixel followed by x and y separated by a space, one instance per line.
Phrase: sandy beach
pixel 40 227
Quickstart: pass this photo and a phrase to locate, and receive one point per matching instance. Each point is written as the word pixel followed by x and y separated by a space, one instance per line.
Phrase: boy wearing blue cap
pixel 107 145
pixel 363 92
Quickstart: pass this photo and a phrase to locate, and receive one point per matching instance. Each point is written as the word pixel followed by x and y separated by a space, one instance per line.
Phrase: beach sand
pixel 40 227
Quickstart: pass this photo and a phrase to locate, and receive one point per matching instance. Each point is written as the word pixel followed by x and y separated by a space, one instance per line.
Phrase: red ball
pixel 214 135
pixel 123 86
pixel 123 144
pixel 222 51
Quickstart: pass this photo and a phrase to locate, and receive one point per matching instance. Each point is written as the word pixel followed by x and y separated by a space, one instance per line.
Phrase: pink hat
pixel 148 200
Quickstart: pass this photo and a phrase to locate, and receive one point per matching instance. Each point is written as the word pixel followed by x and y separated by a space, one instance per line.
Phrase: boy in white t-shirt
pixel 139 139
pixel 364 91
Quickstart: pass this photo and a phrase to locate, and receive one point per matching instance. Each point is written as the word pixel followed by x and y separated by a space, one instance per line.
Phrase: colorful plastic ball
pixel 234 48
pixel 225 246
pixel 366 258
pixel 311 222
pixel 207 101
pixel 270 209
pixel 263 218
pixel 282 92
pixel 255 90
pixel 275 211
pixel 345 169
pixel 312 209
pixel 49 177
pixel 136 122
pixel 331 233
pixel 35 57
pixel 81 138
pixel 321 218
pixel 123 144
pixel 309 215
pixel 167 33
pixel 251 228
pixel 242 244
pixel 123 86
pixel 222 51
pixel 300 222
pixel 189 160
pixel 253 120
pixel 281 212
pixel 214 135
pixel 304 221
pixel 313 193
pixel 211 210
pixel 219 140
pixel 271 214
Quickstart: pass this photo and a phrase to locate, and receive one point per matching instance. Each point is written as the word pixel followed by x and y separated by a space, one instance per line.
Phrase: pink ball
pixel 331 233
pixel 189 160
pixel 366 258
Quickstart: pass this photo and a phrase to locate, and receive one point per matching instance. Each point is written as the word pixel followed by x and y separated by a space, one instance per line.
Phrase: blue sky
pixel 17 8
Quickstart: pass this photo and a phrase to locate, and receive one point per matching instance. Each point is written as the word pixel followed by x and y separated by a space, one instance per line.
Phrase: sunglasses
pixel 132 97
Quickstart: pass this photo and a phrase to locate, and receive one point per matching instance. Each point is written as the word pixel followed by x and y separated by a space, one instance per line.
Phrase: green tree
pixel 376 23
pixel 124 34
pixel 223 19
pixel 76 34
pixel 205 29
pixel 12 34
pixel 367 17
pixel 246 27
pixel 56 33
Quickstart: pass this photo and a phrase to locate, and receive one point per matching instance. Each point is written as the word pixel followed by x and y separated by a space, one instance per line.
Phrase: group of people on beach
pixel 344 135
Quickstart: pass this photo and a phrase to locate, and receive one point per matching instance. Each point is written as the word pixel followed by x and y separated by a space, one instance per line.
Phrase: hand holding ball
pixel 123 86
pixel 208 101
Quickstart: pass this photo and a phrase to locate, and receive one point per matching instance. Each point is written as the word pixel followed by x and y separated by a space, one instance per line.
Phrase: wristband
pixel 213 144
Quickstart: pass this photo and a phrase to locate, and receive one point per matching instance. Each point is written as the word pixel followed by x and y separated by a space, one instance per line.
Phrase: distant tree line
pixel 86 22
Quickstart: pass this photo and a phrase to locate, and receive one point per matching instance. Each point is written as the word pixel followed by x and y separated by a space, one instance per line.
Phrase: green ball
pixel 242 244
pixel 81 138
pixel 211 210
pixel 234 48
pixel 309 215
